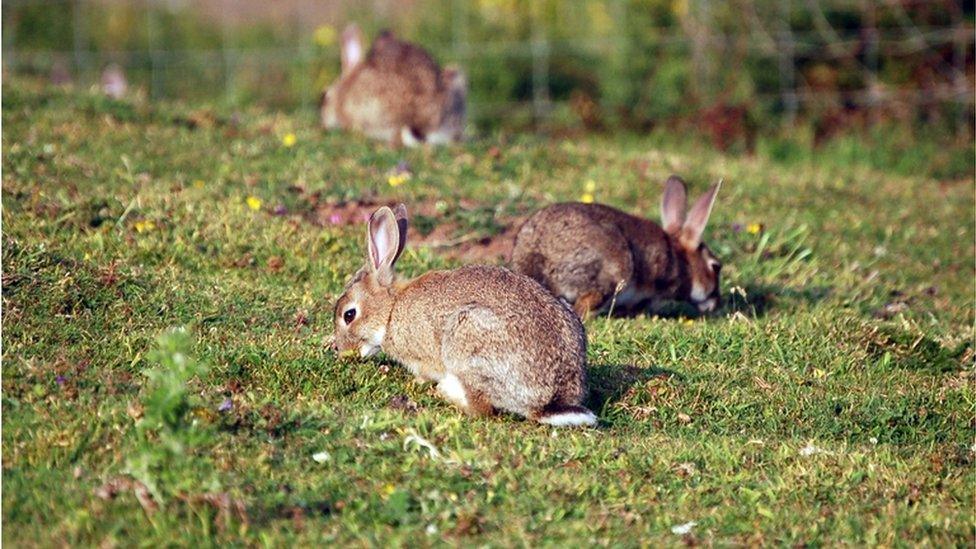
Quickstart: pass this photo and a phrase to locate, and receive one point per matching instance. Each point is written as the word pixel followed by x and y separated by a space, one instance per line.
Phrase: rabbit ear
pixel 352 47
pixel 400 214
pixel 693 228
pixel 384 242
pixel 674 202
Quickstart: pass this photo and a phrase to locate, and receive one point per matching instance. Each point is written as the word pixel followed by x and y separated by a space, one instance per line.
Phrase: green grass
pixel 805 413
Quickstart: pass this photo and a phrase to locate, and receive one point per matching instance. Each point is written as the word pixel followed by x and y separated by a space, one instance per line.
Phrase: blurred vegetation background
pixel 887 81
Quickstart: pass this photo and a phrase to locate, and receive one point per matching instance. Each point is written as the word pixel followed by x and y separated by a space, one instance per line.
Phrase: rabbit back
pixel 583 253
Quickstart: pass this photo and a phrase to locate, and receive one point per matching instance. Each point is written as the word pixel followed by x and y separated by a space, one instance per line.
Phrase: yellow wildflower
pixel 253 202
pixel 145 225
pixel 198 183
pixel 753 228
pixel 588 188
pixel 289 140
pixel 397 179
pixel 688 321
pixel 599 18
pixel 324 35
pixel 680 8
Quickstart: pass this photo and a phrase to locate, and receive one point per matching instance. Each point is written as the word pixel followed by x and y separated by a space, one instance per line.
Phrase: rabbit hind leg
pixel 468 399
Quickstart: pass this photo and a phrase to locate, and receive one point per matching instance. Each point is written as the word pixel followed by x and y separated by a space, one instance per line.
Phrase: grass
pixel 831 402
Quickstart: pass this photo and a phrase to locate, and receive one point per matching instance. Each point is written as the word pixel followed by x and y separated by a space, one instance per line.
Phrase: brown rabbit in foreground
pixel 395 92
pixel 593 255
pixel 490 338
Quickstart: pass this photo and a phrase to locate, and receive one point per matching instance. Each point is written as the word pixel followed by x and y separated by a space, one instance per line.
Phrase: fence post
pixel 870 32
pixel 303 24
pixel 227 56
pixel 154 76
pixel 961 37
pixel 785 58
pixel 460 49
pixel 540 64
pixel 77 37
pixel 701 48
pixel 9 42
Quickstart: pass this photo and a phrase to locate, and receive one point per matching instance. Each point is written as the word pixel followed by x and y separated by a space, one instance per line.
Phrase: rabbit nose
pixel 331 344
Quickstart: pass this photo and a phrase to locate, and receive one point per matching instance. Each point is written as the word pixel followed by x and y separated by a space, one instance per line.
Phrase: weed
pixel 173 424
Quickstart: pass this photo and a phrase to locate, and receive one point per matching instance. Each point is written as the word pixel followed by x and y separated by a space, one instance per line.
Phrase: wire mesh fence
pixel 588 60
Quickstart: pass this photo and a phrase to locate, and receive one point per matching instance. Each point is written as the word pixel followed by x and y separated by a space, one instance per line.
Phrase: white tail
pixel 570 416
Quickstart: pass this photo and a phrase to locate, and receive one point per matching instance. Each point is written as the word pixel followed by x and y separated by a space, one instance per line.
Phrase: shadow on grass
pixel 756 303
pixel 759 298
pixel 894 347
pixel 610 382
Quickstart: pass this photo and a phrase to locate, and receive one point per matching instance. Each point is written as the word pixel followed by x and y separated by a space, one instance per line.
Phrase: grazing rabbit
pixel 593 255
pixel 396 92
pixel 490 338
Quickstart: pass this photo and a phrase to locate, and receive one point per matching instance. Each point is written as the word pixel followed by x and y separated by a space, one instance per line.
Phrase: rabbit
pixel 490 338
pixel 593 255
pixel 395 92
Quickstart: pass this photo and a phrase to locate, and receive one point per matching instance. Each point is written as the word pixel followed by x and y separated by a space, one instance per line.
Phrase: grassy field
pixel 831 401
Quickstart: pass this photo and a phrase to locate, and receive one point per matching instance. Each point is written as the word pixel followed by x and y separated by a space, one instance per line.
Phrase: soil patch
pixel 451 240
pixel 446 233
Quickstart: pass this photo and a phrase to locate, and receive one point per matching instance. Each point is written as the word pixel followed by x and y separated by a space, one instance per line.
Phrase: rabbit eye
pixel 349 315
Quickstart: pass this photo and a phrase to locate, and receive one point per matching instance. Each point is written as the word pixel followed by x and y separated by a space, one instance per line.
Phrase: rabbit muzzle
pixel 708 305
